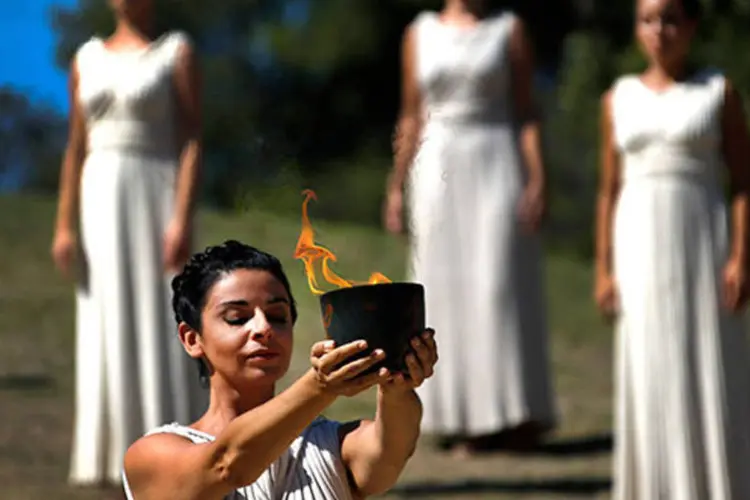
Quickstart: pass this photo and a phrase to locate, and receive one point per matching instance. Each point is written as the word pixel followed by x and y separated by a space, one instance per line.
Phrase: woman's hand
pixel 64 248
pixel 393 212
pixel 420 364
pixel 344 380
pixel 532 207
pixel 177 243
pixel 605 295
pixel 735 284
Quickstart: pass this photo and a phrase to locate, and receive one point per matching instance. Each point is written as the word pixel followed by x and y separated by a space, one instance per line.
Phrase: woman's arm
pixel 407 134
pixel 527 117
pixel 376 452
pixel 609 188
pixel 188 83
pixel 165 466
pixel 188 86
pixel 409 123
pixel 736 149
pixel 70 178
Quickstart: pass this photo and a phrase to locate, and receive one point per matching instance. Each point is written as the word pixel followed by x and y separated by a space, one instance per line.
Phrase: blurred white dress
pixel 482 275
pixel 683 397
pixel 131 372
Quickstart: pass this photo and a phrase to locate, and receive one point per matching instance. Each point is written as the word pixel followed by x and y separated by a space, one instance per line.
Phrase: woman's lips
pixel 263 355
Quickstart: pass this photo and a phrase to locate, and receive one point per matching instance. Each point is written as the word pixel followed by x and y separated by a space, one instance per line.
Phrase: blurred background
pixel 304 94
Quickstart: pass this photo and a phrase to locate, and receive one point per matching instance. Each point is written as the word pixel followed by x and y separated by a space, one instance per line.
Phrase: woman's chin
pixel 265 372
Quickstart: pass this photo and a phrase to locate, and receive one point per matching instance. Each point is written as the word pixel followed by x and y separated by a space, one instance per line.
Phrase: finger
pixel 611 307
pixel 351 370
pixel 428 337
pixel 386 377
pixel 727 293
pixel 416 373
pixel 421 350
pixel 365 382
pixel 398 380
pixel 319 349
pixel 425 356
pixel 342 353
pixel 734 297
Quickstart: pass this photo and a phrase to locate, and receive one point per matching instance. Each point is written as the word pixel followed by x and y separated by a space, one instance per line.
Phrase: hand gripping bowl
pixel 386 315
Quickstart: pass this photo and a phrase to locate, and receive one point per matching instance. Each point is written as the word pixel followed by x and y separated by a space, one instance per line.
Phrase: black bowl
pixel 386 315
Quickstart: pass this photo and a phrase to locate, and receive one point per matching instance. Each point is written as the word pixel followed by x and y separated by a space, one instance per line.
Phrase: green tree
pixel 32 137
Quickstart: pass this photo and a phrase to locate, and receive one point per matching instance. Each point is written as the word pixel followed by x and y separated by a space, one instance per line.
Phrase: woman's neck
pixel 131 29
pixel 464 7
pixel 227 403
pixel 662 74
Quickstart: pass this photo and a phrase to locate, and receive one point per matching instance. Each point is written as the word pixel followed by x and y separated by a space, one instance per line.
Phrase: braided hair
pixel 190 288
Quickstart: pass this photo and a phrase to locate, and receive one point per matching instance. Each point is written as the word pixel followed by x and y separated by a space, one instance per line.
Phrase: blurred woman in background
pixel 130 173
pixel 672 271
pixel 468 150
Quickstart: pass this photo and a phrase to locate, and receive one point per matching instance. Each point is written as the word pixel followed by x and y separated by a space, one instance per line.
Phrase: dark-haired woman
pixel 673 272
pixel 236 314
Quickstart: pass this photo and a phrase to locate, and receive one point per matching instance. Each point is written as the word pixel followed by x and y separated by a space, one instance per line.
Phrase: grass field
pixel 36 365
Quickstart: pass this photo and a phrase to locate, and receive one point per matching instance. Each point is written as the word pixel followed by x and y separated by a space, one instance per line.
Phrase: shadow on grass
pixel 25 382
pixel 585 445
pixel 582 486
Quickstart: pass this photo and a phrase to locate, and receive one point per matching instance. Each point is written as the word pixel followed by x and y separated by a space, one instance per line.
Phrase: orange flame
pixel 311 254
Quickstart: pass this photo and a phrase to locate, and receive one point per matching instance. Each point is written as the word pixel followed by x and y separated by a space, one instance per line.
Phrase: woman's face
pixel 663 31
pixel 247 327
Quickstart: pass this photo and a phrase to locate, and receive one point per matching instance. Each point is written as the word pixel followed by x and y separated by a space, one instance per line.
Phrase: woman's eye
pixel 277 319
pixel 236 321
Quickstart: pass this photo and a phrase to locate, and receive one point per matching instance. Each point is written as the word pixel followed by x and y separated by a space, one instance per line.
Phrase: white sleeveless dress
pixel 131 371
pixel 683 398
pixel 482 274
pixel 310 469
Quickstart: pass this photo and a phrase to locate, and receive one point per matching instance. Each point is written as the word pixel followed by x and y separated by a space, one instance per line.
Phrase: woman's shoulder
pixel 153 453
pixel 177 37
pixel 711 77
pixel 88 50
pixel 167 438
pixel 624 80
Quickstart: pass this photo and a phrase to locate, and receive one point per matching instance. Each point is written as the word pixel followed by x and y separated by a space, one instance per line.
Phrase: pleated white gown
pixel 683 418
pixel 131 371
pixel 482 275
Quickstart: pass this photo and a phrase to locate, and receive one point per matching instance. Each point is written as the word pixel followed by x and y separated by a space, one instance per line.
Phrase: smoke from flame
pixel 312 255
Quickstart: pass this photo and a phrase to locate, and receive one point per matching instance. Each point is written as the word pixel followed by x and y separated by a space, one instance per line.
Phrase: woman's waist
pixel 132 138
pixel 125 156
pixel 468 114
pixel 671 163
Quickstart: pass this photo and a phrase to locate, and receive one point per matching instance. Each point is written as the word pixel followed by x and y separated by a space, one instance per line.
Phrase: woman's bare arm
pixel 736 149
pixel 609 188
pixel 409 125
pixel 526 112
pixel 75 153
pixel 376 451
pixel 188 84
